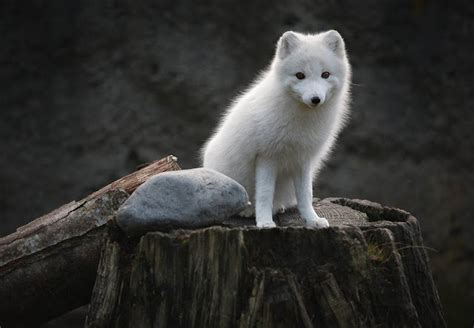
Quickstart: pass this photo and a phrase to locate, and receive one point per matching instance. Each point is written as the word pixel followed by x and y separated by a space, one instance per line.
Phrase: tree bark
pixel 369 269
pixel 48 266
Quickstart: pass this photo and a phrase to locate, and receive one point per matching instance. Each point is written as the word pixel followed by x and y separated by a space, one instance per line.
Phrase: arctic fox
pixel 275 136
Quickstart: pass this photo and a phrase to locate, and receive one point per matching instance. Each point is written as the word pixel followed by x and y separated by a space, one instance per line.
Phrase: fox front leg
pixel 265 180
pixel 304 195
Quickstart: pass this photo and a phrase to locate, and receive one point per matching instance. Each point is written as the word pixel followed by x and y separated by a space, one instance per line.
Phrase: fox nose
pixel 315 100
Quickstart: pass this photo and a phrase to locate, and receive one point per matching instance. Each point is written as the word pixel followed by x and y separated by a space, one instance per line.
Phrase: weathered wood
pixel 369 269
pixel 49 266
pixel 127 183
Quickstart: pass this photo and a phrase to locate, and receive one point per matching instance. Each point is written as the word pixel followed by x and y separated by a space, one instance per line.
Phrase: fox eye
pixel 300 76
pixel 325 75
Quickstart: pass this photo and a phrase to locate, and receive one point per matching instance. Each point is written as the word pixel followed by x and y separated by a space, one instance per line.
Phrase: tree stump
pixel 369 269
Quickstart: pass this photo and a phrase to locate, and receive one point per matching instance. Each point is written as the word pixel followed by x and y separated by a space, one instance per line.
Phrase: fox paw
pixel 266 224
pixel 313 219
pixel 318 222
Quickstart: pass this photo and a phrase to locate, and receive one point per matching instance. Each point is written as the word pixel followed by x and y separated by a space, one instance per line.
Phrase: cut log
pixel 369 269
pixel 48 266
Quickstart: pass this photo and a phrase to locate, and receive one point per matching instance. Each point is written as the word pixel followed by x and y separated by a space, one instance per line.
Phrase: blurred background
pixel 92 89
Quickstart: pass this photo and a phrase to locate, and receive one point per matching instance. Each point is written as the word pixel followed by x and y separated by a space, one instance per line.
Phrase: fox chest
pixel 296 139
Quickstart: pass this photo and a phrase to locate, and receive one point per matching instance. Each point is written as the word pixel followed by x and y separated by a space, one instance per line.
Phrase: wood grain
pixel 48 266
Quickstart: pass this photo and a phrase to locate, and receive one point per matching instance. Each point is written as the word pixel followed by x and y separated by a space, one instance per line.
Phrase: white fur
pixel 273 140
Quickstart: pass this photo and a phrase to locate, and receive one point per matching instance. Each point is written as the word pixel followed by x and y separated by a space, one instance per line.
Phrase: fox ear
pixel 288 42
pixel 334 41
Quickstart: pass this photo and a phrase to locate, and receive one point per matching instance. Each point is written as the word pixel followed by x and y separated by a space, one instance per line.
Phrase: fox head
pixel 313 68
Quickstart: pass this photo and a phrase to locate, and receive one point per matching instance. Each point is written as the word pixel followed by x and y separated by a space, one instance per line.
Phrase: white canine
pixel 276 135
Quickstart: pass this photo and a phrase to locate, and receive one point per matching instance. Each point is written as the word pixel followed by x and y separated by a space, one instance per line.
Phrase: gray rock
pixel 182 199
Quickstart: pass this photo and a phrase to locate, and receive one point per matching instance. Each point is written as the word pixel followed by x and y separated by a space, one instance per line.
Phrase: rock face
pixel 369 269
pixel 184 199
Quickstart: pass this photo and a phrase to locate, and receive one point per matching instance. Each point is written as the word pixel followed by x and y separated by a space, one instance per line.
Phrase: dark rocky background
pixel 91 89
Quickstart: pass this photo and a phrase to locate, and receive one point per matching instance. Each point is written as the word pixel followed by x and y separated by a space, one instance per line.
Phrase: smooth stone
pixel 186 199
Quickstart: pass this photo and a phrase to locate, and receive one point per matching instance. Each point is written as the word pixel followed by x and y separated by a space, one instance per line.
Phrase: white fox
pixel 275 136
